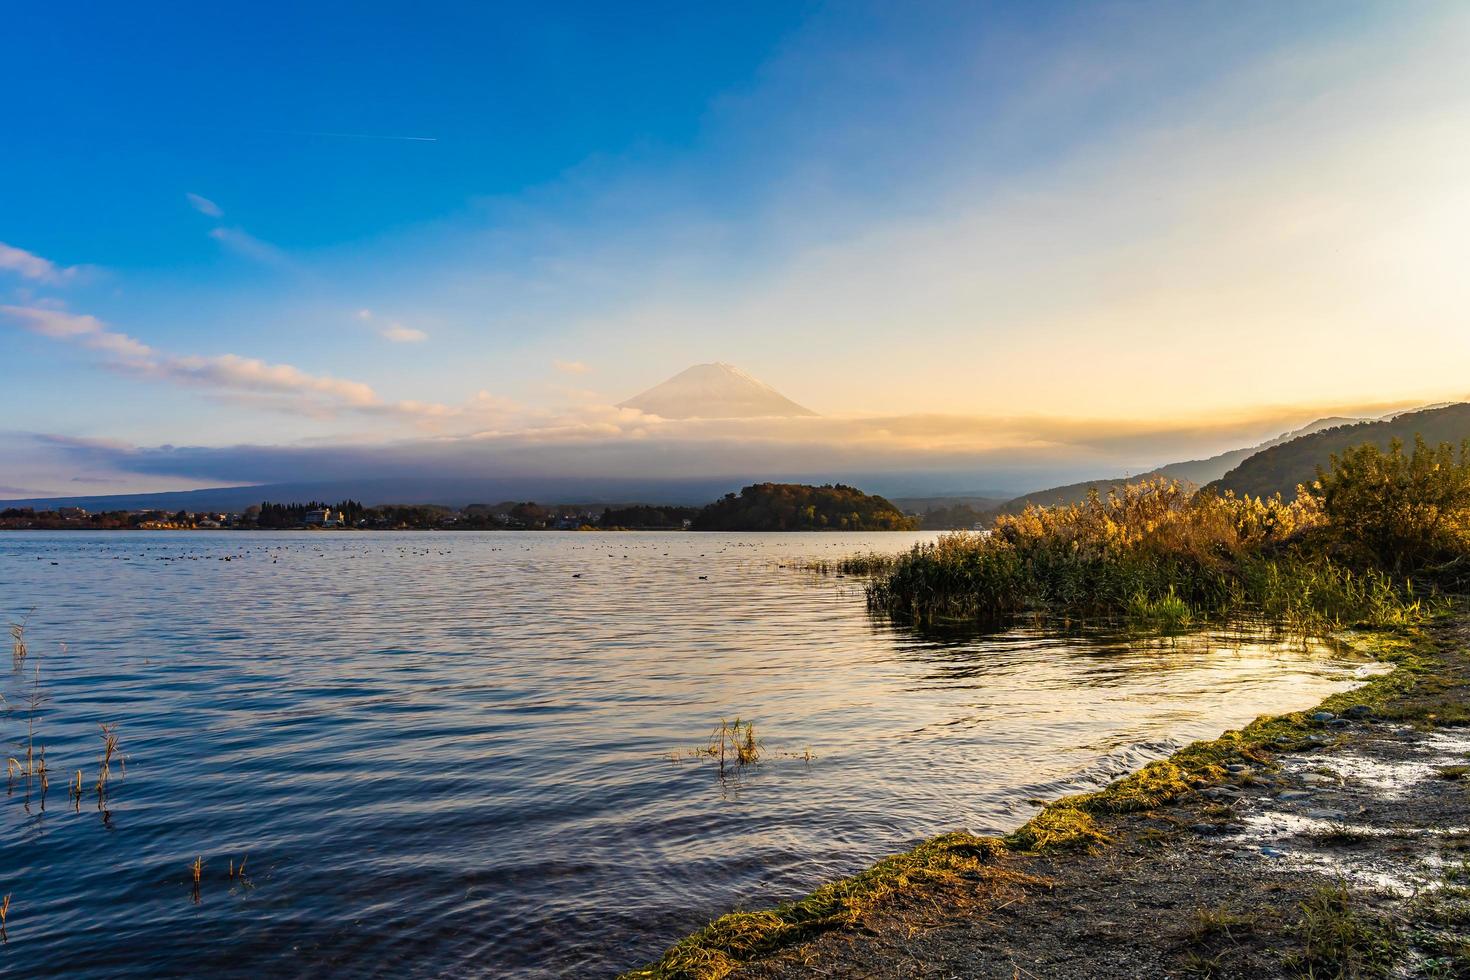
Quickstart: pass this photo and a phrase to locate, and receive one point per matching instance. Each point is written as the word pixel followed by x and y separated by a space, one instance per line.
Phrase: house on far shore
pixel 325 517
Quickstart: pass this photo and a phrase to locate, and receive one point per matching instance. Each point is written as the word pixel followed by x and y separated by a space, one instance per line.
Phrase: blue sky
pixel 296 225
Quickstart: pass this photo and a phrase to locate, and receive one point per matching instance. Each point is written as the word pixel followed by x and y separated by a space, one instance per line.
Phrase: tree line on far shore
pixel 759 507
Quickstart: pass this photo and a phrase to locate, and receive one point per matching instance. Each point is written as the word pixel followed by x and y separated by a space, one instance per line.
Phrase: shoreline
pixel 480 530
pixel 940 906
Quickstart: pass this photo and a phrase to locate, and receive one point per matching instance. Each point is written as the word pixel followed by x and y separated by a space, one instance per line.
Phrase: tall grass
pixel 104 765
pixel 863 564
pixel 736 742
pixel 18 648
pixel 1152 552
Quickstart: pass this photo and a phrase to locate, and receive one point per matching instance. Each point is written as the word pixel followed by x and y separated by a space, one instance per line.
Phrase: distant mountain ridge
pixel 715 391
pixel 1283 467
pixel 451 492
pixel 1193 472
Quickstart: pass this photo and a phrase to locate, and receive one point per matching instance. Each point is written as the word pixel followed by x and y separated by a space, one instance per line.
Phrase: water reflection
pixel 451 752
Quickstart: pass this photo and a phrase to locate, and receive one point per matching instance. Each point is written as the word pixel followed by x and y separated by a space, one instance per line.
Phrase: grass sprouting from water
pixel 736 741
pixel 1168 613
pixel 18 648
pixel 104 765
pixel 861 565
pixel 734 744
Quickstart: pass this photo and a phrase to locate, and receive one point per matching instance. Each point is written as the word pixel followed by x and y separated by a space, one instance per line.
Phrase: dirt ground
pixel 1346 856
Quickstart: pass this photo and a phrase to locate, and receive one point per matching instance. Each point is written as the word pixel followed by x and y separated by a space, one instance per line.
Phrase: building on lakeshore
pixel 322 517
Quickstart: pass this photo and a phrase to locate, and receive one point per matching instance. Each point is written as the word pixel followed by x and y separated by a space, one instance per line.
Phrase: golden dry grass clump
pixel 1157 553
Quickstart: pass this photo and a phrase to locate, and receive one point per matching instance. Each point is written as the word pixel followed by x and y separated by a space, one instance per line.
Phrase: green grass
pixel 1057 827
pixel 964 577
pixel 1168 613
pixel 1213 932
pixel 1210 925
pixel 1440 929
pixel 1339 940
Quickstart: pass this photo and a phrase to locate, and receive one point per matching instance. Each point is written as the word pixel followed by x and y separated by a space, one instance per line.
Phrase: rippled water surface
pixel 447 754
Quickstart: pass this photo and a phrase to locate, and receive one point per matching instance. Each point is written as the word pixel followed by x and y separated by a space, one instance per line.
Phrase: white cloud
pixel 251 374
pixel 571 367
pixel 30 266
pixel 599 443
pixel 244 244
pixel 395 332
pixel 204 205
pixel 282 385
pixel 492 434
pixel 399 334
pixel 54 323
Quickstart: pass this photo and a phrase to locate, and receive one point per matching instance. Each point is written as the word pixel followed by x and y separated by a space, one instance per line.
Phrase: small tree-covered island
pixel 797 507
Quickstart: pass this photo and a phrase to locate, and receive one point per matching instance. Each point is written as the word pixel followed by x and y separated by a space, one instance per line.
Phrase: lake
pixel 465 754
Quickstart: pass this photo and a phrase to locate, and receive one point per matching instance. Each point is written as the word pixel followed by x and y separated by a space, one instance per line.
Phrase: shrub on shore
pixel 1158 553
pixel 1397 510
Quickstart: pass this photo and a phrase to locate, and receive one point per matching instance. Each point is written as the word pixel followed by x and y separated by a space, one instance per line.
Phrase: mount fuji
pixel 715 391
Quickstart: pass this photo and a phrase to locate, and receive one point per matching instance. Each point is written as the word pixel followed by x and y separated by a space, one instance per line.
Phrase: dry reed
pixel 18 647
pixel 104 769
pixel 734 744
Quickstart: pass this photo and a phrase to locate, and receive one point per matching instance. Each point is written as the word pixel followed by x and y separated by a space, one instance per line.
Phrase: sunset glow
pixel 965 239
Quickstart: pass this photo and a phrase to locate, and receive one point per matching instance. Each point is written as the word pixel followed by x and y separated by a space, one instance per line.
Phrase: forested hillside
pixel 1193 472
pixel 1281 469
